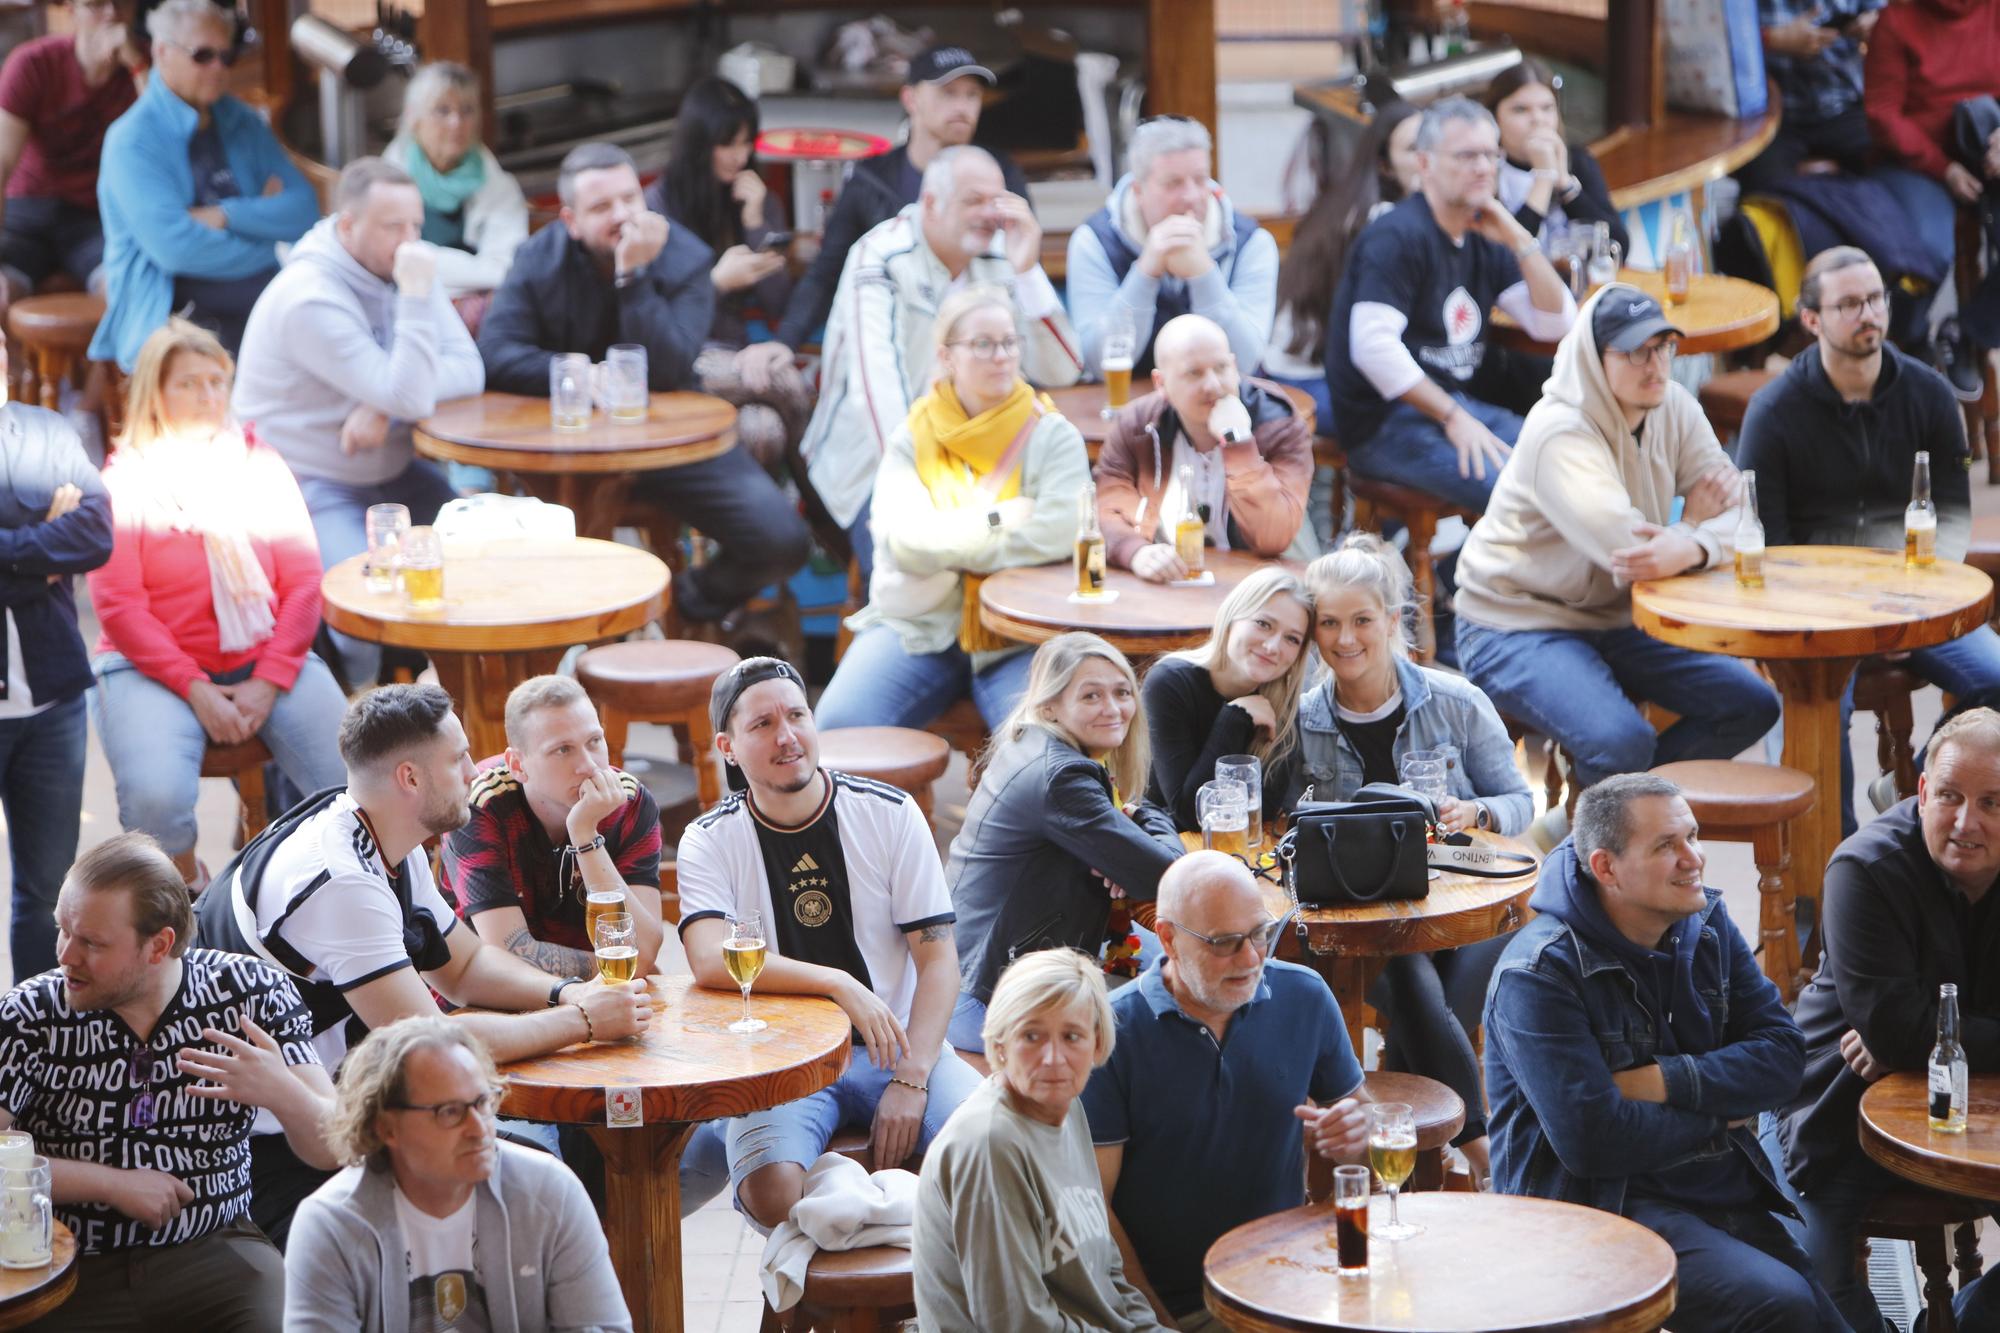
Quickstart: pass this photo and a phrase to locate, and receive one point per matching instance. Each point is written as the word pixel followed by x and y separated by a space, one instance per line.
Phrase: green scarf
pixel 445 193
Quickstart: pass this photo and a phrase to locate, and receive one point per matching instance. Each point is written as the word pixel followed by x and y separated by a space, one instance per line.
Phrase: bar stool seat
pixel 866 1289
pixel 1438 1111
pixel 664 681
pixel 54 332
pixel 904 758
pixel 1726 398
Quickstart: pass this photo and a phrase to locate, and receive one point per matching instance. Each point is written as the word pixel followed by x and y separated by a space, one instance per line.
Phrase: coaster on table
pixel 1093 599
pixel 1205 579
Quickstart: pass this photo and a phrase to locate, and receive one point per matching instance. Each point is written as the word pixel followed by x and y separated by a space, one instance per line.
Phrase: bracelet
pixel 555 991
pixel 1526 248
pixel 589 1028
pixel 595 844
pixel 1545 174
pixel 906 1083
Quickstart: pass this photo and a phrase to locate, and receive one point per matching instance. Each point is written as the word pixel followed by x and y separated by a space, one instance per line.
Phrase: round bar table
pixel 687 1067
pixel 1720 314
pixel 589 471
pixel 512 608
pixel 1485 1262
pixel 1084 405
pixel 1821 610
pixel 28 1294
pixel 1031 605
pixel 1896 1132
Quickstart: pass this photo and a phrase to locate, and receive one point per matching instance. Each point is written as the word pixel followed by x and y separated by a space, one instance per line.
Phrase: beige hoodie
pixel 1578 483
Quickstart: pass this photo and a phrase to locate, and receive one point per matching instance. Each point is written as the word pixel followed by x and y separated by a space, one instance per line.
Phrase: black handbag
pixel 1370 849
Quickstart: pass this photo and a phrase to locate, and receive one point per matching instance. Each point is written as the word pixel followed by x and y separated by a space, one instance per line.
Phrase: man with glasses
pixel 195 190
pixel 1834 442
pixel 139 1066
pixel 437 1223
pixel 1225 1060
pixel 1407 332
pixel 1617 478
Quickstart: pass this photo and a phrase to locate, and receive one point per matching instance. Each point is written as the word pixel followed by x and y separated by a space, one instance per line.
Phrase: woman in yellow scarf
pixel 982 476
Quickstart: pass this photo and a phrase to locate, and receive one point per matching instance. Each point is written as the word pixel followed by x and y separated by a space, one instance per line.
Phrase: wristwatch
pixel 993 518
pixel 1482 817
pixel 555 991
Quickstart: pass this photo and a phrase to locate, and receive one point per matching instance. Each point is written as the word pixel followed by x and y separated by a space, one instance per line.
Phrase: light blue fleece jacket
pixel 145 187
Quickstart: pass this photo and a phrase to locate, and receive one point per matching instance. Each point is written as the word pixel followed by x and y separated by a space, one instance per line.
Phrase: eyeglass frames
pixel 450 1115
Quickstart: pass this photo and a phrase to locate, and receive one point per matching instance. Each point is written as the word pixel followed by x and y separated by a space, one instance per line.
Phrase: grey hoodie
pixel 327 335
pixel 1578 483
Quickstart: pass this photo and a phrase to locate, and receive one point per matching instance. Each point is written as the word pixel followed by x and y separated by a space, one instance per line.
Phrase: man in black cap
pixel 1584 509
pixel 844 875
pixel 941 94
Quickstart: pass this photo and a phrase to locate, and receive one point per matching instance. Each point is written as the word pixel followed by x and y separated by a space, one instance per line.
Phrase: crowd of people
pixel 259 1087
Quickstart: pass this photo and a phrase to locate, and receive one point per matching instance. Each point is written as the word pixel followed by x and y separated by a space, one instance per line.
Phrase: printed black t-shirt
pixel 1404 260
pixel 811 908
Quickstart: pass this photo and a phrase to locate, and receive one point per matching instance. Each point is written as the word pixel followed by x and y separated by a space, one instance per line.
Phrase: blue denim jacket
pixel 1440 712
pixel 1563 1015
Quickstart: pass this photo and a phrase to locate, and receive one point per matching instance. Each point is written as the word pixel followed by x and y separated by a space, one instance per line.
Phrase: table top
pixel 1816 602
pixel 688 1065
pixel 1031 604
pixel 27 1294
pixel 510 595
pixel 512 433
pixel 1460 909
pixel 1485 1262
pixel 1720 314
pixel 1896 1131
pixel 1084 405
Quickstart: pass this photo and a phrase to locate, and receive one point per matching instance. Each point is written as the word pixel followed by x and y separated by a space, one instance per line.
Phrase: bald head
pixel 1206 886
pixel 1193 366
pixel 1184 333
pixel 1212 895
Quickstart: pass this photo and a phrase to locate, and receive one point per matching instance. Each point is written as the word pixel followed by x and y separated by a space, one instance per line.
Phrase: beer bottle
pixel 1189 531
pixel 1089 545
pixel 1947 1076
pixel 1750 536
pixel 1920 519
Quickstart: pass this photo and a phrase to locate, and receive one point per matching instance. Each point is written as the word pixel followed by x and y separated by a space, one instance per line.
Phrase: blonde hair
pixel 962 303
pixel 429 84
pixel 1366 562
pixel 372 1080
pixel 1040 981
pixel 145 417
pixel 531 696
pixel 1246 599
pixel 1055 666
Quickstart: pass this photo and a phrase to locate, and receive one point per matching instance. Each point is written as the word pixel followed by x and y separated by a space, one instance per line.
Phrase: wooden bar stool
pixel 245 765
pixel 1884 688
pixel 665 681
pixel 905 759
pixel 1755 803
pixel 1927 1219
pixel 54 332
pixel 1726 397
pixel 852 1291
pixel 1438 1111
pixel 962 728
pixel 1418 511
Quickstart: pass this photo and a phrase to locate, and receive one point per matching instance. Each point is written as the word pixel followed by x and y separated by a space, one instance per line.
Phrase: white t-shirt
pixel 895 882
pixel 445 1295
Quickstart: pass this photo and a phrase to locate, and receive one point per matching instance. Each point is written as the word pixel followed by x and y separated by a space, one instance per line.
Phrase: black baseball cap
pixel 942 64
pixel 729 686
pixel 1626 317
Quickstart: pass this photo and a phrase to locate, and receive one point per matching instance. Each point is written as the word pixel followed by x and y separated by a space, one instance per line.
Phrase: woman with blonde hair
pixel 983 476
pixel 474 213
pixel 1236 694
pixel 209 602
pixel 1375 707
pixel 1012 1178
pixel 1057 824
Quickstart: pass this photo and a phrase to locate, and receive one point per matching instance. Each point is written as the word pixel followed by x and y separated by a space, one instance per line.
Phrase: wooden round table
pixel 686 1068
pixel 1896 1132
pixel 1720 314
pixel 1821 610
pixel 28 1294
pixel 1485 1262
pixel 1084 405
pixel 512 608
pixel 1031 605
pixel 588 471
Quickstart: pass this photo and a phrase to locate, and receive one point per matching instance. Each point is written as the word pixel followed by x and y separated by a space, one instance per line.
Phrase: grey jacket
pixel 543 1261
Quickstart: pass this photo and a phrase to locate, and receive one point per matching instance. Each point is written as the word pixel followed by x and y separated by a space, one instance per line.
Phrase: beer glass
pixel 597 904
pixel 27 1215
pixel 617 942
pixel 1121 344
pixel 1223 810
pixel 743 955
pixel 17 1148
pixel 1392 1152
pixel 569 391
pixel 422 560
pixel 1245 769
pixel 1423 772
pixel 1350 1218
pixel 625 392
pixel 386 526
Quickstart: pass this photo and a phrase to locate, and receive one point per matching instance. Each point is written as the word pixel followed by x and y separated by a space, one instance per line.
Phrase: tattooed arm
pixel 936 957
pixel 507 928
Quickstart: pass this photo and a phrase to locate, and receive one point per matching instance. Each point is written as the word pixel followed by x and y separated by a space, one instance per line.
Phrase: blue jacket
pixel 145 187
pixel 38 453
pixel 1440 712
pixel 1564 1012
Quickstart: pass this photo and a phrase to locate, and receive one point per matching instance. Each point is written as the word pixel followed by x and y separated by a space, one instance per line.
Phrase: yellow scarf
pixel 956 456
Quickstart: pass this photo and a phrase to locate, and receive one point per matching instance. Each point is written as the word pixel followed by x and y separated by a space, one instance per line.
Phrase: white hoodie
pixel 326 335
pixel 1578 483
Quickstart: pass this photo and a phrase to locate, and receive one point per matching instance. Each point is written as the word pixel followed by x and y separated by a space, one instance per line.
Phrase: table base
pixel 479 684
pixel 1812 689
pixel 642 1217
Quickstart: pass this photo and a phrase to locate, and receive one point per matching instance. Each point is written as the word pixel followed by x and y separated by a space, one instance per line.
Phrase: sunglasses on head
pixel 208 55
pixel 139 1075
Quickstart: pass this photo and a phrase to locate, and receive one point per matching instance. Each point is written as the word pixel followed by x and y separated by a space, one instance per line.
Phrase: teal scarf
pixel 445 193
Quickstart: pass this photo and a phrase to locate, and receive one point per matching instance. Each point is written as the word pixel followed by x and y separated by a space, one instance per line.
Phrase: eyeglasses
pixel 208 55
pixel 1467 157
pixel 1641 357
pixel 989 349
pixel 1226 946
pixel 139 1074
pixel 452 111
pixel 1848 307
pixel 450 1115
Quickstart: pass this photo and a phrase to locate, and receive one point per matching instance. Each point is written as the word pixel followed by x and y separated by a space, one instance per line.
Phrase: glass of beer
pixel 386 526
pixel 1223 808
pixel 625 391
pixel 569 391
pixel 743 955
pixel 598 904
pixel 26 1215
pixel 617 942
pixel 422 560
pixel 1350 1218
pixel 1245 769
pixel 1392 1152
pixel 1120 346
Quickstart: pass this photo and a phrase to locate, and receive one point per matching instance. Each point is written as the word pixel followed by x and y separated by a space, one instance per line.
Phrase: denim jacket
pixel 1563 1015
pixel 1441 712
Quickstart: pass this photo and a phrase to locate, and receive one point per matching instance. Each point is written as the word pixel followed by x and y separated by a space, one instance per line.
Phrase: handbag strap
pixel 1479 861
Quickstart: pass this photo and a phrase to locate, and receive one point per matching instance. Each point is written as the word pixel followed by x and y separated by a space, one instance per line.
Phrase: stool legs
pixel 616 727
pixel 1777 916
pixel 1965 1239
pixel 1423 529
pixel 707 764
pixel 251 816
pixel 1893 750
pixel 1934 1262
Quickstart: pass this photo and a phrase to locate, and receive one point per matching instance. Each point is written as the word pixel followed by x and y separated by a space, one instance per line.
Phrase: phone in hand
pixel 775 240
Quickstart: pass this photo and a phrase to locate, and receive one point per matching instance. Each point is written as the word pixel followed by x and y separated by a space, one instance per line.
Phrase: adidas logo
pixel 805 863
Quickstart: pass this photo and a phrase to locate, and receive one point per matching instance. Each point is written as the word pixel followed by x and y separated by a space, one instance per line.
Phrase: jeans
pixel 878 684
pixel 1844 138
pixel 861 540
pixel 1739 1271
pixel 1962 666
pixel 1432 1000
pixel 1578 687
pixel 340 520
pixel 40 236
pixel 734 502
pixel 155 744
pixel 1932 211
pixel 41 792
pixel 221 305
pixel 1833 1213
pixel 968 1017
pixel 1410 449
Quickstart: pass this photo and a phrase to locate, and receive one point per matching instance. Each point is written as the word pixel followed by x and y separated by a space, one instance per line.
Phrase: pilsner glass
pixel 1121 345
pixel 743 955
pixel 617 942
pixel 1392 1152
pixel 599 903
